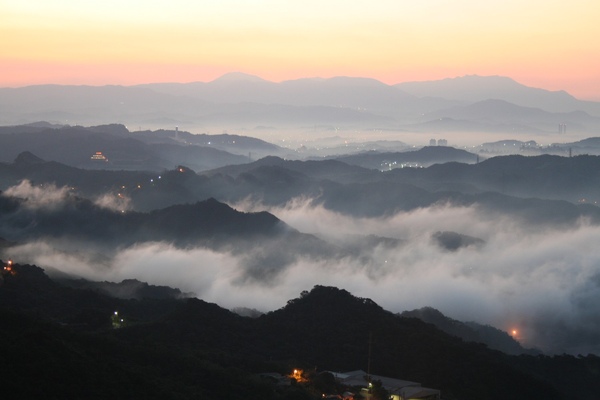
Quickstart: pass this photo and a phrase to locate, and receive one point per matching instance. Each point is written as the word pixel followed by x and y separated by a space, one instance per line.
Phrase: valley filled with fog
pixel 502 271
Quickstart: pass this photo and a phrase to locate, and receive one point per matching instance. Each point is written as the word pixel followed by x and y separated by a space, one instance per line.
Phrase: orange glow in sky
pixel 550 44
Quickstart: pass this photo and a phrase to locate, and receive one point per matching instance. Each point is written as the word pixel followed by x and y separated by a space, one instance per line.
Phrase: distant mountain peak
pixel 27 157
pixel 239 76
pixel 43 124
pixel 354 80
pixel 471 82
pixel 474 88
pixel 499 78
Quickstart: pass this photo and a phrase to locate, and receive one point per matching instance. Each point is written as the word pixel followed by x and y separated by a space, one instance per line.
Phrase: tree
pixel 378 392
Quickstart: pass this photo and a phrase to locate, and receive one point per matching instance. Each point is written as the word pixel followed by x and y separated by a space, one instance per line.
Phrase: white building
pixel 397 388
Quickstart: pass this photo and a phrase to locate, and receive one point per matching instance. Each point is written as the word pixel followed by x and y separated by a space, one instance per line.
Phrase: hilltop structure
pixel 398 389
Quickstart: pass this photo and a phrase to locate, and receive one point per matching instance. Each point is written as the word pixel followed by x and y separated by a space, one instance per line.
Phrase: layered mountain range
pixel 528 187
pixel 506 242
pixel 247 103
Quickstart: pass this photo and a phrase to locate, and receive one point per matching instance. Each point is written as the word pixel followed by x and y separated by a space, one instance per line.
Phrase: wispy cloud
pixel 42 196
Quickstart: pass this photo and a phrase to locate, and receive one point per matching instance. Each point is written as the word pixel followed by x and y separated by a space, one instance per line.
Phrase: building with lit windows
pixel 98 156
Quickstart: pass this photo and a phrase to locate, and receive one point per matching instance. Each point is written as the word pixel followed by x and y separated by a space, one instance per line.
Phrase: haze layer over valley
pixel 465 111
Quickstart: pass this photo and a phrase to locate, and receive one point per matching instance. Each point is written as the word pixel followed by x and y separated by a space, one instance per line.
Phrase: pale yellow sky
pixel 550 44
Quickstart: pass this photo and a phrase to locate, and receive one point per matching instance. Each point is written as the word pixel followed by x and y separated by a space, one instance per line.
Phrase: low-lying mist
pixel 544 282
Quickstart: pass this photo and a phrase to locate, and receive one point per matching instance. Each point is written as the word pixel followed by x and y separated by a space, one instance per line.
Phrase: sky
pixel 552 44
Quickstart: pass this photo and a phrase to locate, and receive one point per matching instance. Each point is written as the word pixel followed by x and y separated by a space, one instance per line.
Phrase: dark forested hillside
pixel 208 223
pixel 61 341
pixel 542 189
pixel 423 157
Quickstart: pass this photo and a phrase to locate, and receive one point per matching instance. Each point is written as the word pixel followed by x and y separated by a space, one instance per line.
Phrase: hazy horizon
pixel 240 76
pixel 68 42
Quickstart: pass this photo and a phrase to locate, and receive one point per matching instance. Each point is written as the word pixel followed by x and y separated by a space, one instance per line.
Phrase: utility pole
pixel 369 385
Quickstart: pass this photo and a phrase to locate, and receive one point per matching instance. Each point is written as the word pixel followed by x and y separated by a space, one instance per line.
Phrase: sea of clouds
pixel 542 281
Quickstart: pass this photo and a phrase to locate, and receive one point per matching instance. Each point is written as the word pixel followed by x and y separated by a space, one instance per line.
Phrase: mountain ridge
pixel 474 88
pixel 214 340
pixel 243 101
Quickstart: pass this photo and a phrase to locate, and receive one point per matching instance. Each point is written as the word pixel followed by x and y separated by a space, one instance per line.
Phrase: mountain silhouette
pixel 159 341
pixel 247 102
pixel 474 88
pixel 469 331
